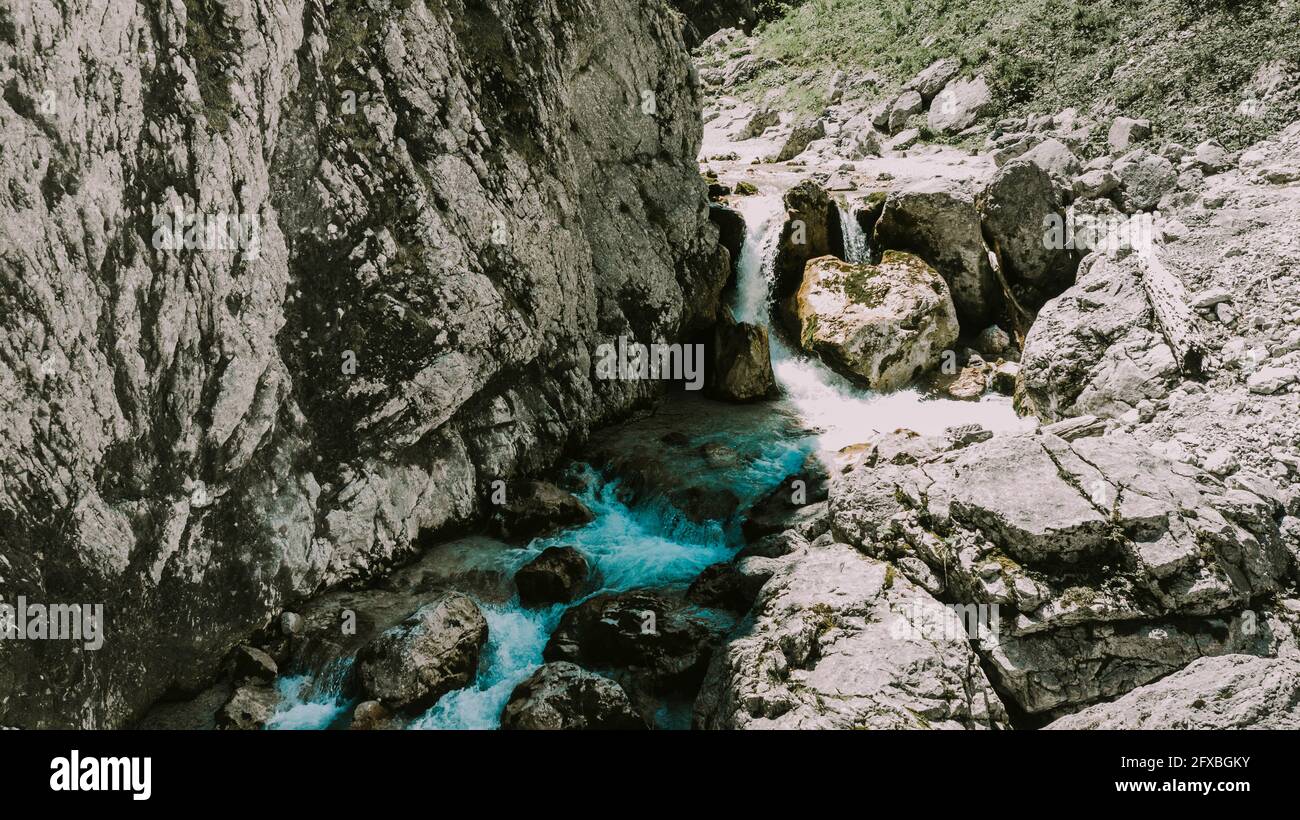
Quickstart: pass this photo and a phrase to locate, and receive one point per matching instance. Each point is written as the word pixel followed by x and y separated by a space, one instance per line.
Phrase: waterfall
pixel 764 216
pixel 843 412
pixel 649 544
pixel 857 245
pixel 313 701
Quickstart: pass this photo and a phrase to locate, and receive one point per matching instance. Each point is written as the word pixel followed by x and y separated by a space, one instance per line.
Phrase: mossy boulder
pixel 882 324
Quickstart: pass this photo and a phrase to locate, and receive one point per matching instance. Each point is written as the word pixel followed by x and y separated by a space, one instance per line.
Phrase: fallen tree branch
pixel 1172 311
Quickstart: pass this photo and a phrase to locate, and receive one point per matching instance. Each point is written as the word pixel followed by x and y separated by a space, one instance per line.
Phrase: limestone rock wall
pixel 440 210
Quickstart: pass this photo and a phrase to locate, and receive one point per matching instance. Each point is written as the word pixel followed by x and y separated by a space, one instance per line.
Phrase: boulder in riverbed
pixel 812 229
pixel 936 219
pixel 249 707
pixel 371 715
pixel 539 508
pixel 761 120
pixel 731 230
pixel 884 324
pixel 566 696
pixel 558 575
pixel 804 132
pixel 654 643
pixel 431 653
pixel 781 507
pixel 742 362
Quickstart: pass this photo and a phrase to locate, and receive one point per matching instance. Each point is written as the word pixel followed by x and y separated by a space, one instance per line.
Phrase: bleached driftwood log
pixel 1173 313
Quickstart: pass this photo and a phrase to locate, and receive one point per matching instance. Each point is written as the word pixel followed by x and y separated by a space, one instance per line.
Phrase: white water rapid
pixel 843 412
pixel 649 544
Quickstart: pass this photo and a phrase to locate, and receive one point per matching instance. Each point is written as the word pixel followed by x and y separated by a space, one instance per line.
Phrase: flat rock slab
pixel 1227 692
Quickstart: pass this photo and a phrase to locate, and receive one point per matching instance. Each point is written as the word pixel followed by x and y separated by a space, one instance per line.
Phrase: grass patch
pixel 212 46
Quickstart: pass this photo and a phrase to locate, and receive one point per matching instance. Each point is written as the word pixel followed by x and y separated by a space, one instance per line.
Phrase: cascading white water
pixel 651 545
pixel 857 245
pixel 648 545
pixel 313 701
pixel 764 216
pixel 843 412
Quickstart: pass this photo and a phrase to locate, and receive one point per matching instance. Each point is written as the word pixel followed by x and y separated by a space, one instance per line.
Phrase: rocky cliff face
pixel 436 211
pixel 703 17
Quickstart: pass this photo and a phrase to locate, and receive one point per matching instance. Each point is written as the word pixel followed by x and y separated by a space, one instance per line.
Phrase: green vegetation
pixel 1185 64
pixel 864 286
pixel 212 48
pixel 825 618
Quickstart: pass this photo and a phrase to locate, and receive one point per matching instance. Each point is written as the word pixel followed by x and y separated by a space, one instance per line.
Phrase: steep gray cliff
pixel 440 209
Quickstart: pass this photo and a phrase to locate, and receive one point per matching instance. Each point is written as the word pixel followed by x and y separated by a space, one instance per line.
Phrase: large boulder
pixel 903 108
pixel 1054 157
pixel 1111 566
pixel 1094 349
pixel 556 576
pixel 1023 215
pixel 1211 157
pixel 936 219
pixel 838 640
pixel 959 105
pixel 1125 132
pixel 885 324
pixel 731 230
pixel 650 642
pixel 433 652
pixel 371 715
pixel 801 135
pixel 1144 180
pixel 812 229
pixel 566 696
pixel 1224 692
pixel 742 362
pixel 758 122
pixel 932 79
pixel 538 508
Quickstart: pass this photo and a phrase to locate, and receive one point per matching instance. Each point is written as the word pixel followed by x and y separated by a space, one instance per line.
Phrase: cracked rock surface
pixel 839 640
pixel 1111 566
